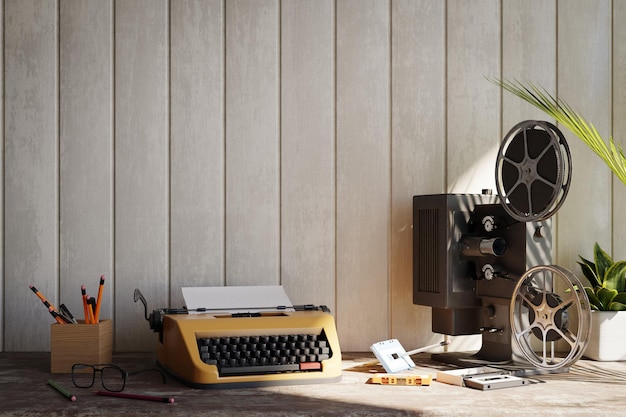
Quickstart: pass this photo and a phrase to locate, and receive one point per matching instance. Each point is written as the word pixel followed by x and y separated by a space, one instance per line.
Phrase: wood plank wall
pixel 235 142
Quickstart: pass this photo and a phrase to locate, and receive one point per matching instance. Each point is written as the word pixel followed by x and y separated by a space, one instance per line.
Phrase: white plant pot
pixel 607 336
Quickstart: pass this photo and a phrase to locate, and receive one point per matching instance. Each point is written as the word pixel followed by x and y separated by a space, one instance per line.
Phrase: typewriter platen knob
pixel 156 320
pixel 156 317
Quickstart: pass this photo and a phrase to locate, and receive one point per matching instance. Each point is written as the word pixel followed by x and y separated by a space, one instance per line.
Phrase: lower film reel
pixel 550 318
pixel 533 171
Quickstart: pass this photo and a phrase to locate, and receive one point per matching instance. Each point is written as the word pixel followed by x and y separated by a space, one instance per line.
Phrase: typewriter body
pixel 213 349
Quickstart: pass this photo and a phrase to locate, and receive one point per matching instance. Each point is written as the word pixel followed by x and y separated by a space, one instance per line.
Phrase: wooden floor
pixel 590 388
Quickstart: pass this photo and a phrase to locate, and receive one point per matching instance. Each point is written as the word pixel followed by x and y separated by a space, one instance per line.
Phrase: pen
pixel 67 314
pixel 136 396
pixel 83 291
pixel 45 302
pixel 62 390
pixel 99 301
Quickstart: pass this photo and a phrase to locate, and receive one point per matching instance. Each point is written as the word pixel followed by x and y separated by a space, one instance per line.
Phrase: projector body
pixel 468 255
pixel 483 262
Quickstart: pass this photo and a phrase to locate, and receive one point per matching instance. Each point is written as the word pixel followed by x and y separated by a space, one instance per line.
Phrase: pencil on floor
pixel 61 390
pixel 136 396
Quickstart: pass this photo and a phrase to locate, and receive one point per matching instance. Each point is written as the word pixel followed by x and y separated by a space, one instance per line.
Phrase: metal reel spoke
pixel 550 318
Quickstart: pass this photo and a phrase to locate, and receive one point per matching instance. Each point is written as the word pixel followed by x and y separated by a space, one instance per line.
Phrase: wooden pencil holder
pixel 80 343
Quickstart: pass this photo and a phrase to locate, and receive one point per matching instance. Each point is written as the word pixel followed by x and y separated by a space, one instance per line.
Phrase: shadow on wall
pixel 479 176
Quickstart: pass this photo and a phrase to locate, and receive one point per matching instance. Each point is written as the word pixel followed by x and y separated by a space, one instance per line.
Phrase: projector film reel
pixel 550 318
pixel 533 171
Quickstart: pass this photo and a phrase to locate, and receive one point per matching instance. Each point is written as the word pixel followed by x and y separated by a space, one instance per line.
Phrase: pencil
pixel 83 291
pixel 90 302
pixel 62 390
pixel 40 295
pixel 136 396
pixel 99 300
pixel 58 317
pixel 45 302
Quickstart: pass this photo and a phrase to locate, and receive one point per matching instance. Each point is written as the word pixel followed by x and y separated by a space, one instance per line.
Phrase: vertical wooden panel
pixel 252 145
pixel 473 115
pixel 584 81
pixel 363 171
pixel 418 158
pixel 308 152
pixel 619 125
pixel 197 148
pixel 141 166
pixel 31 180
pixel 2 326
pixel 86 150
pixel 528 53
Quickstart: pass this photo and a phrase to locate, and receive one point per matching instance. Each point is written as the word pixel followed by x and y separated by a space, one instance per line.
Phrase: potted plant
pixel 607 297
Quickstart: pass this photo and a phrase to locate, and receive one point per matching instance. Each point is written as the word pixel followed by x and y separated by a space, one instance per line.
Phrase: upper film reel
pixel 533 171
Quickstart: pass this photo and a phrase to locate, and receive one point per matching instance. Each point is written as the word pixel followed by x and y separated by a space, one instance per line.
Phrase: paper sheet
pixel 244 299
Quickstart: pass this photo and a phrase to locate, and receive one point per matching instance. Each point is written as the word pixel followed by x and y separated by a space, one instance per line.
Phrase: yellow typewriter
pixel 296 345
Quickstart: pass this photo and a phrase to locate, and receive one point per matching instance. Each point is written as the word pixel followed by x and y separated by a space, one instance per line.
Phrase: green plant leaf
pixel 615 306
pixel 589 271
pixel 620 298
pixel 605 296
pixel 603 262
pixel 612 155
pixel 594 301
pixel 615 277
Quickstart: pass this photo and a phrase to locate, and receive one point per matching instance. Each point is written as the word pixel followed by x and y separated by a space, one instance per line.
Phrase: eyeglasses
pixel 112 377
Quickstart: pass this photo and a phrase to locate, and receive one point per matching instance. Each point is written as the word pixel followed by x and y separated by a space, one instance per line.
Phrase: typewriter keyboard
pixel 250 355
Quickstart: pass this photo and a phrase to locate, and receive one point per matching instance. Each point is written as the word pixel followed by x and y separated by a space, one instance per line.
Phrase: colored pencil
pixel 136 396
pixel 62 390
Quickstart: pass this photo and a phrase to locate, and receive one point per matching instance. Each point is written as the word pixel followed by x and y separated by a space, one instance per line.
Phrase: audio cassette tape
pixel 494 381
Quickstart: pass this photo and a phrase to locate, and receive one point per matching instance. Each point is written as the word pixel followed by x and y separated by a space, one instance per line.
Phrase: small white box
pixel 390 354
pixel 457 376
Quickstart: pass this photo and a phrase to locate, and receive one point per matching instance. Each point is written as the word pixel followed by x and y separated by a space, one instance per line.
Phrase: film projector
pixel 482 262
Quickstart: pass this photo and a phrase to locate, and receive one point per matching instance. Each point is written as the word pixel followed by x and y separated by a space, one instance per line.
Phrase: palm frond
pixel 611 154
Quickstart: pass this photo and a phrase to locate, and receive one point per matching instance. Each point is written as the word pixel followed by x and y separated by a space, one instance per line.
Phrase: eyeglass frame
pixel 99 367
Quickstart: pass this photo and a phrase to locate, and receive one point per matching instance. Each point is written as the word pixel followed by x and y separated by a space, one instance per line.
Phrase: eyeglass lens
pixel 111 377
pixel 83 375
